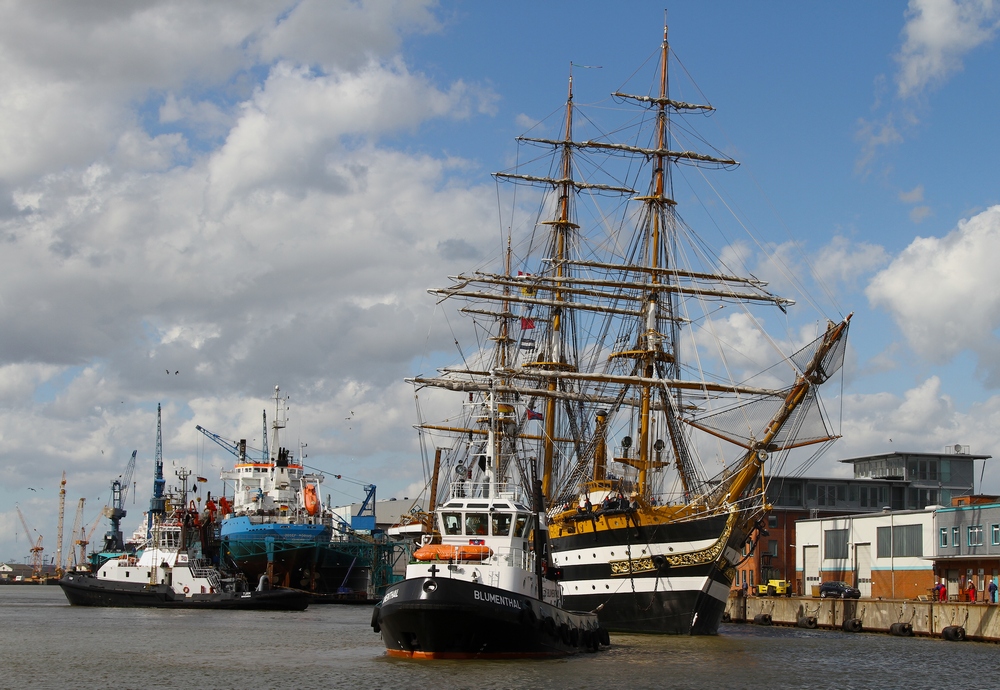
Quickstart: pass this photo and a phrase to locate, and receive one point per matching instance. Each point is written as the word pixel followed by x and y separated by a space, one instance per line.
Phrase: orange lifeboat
pixel 311 499
pixel 450 552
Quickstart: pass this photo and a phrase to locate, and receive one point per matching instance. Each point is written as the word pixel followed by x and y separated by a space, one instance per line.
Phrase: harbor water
pixel 48 644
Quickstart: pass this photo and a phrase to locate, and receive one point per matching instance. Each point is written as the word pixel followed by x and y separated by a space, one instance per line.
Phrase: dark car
pixel 840 590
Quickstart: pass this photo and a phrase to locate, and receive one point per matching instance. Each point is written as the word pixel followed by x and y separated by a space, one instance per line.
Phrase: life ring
pixel 186 590
pixel 310 499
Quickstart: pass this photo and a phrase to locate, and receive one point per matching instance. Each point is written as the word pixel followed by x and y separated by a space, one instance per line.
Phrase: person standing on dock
pixel 993 591
pixel 972 591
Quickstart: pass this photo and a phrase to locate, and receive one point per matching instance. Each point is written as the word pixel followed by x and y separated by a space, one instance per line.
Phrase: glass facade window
pixel 975 535
pixel 772 521
pixel 995 534
pixel 954 537
pixel 835 543
pixel 900 541
pixel 944 536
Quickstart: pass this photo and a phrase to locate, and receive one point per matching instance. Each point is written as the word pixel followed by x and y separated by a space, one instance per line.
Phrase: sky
pixel 201 201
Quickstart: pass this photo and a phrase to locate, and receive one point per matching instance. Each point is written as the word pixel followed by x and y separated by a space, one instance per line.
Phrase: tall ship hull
pixel 671 578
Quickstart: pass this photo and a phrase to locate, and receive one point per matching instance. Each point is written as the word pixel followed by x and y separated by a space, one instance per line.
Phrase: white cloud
pixel 915 195
pixel 938 34
pixel 919 213
pixel 214 197
pixel 846 262
pixel 943 294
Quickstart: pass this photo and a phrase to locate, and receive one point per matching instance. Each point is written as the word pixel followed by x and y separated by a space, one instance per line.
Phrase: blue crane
pixel 157 504
pixel 113 540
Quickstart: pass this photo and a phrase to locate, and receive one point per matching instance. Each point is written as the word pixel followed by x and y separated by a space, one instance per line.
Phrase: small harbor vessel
pixel 274 523
pixel 171 570
pixel 477 587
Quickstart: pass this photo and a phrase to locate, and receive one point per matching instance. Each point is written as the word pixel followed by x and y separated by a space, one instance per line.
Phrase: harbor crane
pixel 59 529
pixel 36 549
pixel 113 540
pixel 84 539
pixel 157 504
pixel 77 527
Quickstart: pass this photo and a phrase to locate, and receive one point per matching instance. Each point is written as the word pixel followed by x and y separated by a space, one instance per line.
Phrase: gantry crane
pixel 77 527
pixel 36 549
pixel 113 540
pixel 59 528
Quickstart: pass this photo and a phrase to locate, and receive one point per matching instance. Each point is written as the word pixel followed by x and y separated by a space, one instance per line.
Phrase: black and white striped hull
pixel 668 579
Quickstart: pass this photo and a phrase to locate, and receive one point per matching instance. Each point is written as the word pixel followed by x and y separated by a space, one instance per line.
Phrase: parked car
pixel 840 590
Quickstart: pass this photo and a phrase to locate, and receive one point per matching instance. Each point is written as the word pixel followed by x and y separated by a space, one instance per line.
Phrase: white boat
pixel 476 588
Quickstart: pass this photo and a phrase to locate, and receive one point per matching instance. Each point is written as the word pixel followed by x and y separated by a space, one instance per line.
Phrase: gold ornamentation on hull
pixel 644 564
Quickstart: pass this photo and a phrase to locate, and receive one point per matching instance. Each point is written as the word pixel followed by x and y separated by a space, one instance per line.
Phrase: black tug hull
pixel 441 618
pixel 87 590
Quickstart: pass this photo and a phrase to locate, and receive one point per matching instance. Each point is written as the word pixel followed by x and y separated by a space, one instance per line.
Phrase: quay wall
pixel 981 621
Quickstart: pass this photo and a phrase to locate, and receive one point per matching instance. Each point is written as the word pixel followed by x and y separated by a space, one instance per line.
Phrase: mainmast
pixel 655 353
pixel 553 356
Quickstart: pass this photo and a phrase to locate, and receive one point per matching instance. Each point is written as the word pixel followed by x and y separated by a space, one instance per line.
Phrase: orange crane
pixel 77 526
pixel 84 539
pixel 36 550
pixel 59 528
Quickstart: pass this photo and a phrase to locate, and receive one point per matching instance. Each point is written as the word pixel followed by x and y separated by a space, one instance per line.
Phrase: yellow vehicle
pixel 775 588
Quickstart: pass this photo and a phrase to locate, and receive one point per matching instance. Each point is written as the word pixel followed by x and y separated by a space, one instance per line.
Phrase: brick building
pixel 897 480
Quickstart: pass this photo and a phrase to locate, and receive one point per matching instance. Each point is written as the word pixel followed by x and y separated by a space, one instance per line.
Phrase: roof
pixel 908 454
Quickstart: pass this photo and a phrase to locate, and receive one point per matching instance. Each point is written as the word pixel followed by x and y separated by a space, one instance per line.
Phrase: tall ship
pixel 275 525
pixel 633 357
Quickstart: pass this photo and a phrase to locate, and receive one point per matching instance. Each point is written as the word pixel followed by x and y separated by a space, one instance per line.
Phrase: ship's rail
pixel 469 489
pixel 204 569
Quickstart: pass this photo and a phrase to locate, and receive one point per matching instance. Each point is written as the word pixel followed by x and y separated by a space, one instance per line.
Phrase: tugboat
pixel 172 571
pixel 479 587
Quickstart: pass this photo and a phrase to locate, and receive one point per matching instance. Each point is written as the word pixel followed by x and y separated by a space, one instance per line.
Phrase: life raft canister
pixel 449 552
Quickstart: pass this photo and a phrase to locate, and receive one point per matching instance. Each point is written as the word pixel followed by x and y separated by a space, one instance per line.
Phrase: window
pixel 975 535
pixel 452 523
pixel 475 523
pixel 772 547
pixel 900 541
pixel 864 496
pixel 772 521
pixel 954 537
pixel 501 524
pixel 852 493
pixel 944 536
pixel 841 493
pixel 811 492
pixel 995 531
pixel 522 526
pixel 835 543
